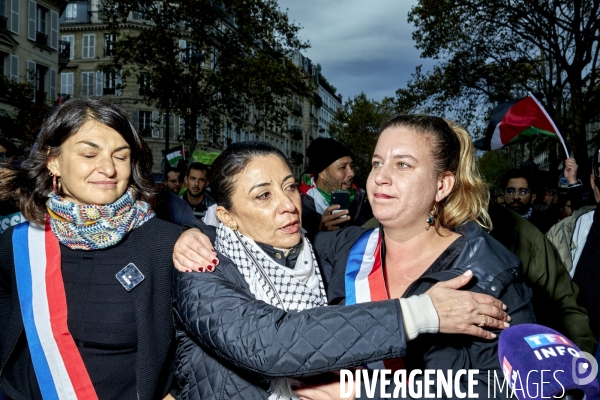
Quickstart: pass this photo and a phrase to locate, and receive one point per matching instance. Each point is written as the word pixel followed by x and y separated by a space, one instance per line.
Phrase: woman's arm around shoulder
pixel 218 311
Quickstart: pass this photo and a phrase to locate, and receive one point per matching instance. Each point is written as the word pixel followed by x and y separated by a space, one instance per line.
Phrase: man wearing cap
pixel 330 168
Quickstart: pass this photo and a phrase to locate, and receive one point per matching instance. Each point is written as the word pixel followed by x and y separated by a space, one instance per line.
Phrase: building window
pixel 145 123
pixel 71 12
pixel 71 40
pixel 41 19
pixel 87 83
pixel 110 84
pixel 66 83
pixel 109 44
pixel 89 46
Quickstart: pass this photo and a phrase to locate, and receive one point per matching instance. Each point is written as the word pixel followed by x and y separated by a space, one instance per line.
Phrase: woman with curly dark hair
pixel 85 283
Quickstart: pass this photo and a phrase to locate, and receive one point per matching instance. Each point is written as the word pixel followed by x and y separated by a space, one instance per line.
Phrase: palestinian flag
pixel 518 121
pixel 174 155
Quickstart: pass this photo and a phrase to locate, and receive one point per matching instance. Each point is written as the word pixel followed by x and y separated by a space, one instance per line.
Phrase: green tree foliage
pixel 489 51
pixel 23 123
pixel 235 61
pixel 356 125
pixel 492 166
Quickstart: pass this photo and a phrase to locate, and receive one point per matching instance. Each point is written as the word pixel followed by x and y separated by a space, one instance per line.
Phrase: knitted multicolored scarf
pixel 94 227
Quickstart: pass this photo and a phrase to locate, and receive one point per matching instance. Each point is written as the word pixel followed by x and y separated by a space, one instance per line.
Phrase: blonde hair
pixel 452 151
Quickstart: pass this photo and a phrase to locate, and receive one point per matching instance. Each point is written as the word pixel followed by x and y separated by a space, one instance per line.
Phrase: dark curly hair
pixel 30 182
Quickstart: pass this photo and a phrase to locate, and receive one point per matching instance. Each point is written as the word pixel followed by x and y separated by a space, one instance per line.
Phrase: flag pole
pixel 560 138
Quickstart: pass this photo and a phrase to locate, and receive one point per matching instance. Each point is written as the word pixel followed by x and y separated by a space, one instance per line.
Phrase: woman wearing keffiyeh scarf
pixel 259 318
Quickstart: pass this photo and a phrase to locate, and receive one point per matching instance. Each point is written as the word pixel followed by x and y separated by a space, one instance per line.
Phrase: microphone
pixel 539 362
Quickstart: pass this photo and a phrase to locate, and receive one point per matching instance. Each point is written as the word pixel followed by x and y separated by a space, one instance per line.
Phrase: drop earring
pixel 431 218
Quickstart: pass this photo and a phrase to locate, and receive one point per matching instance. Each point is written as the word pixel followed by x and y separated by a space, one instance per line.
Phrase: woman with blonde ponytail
pixel 426 193
pixel 430 202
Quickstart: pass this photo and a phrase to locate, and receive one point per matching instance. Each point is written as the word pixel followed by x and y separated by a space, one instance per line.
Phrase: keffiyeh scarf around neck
pixel 95 227
pixel 295 289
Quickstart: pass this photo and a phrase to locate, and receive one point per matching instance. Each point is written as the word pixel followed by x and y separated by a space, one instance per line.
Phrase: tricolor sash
pixel 58 365
pixel 365 281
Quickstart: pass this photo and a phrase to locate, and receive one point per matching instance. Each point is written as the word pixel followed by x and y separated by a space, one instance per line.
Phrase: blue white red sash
pixel 365 281
pixel 58 365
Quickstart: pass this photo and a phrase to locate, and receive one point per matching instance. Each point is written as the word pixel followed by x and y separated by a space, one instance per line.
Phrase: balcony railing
pixel 65 52
pixel 3 23
pixel 41 38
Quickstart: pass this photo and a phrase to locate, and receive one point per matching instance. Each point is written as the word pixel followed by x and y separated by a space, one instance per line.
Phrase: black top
pixel 136 327
pixel 101 319
pixel 279 257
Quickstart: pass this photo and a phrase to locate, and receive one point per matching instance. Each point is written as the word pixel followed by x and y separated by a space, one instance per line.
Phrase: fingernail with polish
pixel 215 261
pixel 211 268
pixel 213 250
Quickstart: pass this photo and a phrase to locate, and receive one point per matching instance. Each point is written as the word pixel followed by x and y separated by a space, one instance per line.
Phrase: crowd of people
pixel 240 280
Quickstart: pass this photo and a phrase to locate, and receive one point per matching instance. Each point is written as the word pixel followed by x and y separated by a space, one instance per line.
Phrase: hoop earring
pixel 59 185
pixel 431 218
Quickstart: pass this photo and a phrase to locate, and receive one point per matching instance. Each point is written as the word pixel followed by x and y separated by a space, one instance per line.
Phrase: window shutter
pixel 14 68
pixel 99 78
pixel 71 40
pixel 135 118
pixel 85 84
pixel 66 83
pixel 31 72
pixel 92 47
pixel 155 130
pixel 52 90
pixel 54 29
pixel 85 46
pixel 14 16
pixel 31 29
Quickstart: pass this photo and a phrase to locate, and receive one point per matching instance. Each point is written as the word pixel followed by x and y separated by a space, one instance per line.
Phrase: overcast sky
pixel 362 45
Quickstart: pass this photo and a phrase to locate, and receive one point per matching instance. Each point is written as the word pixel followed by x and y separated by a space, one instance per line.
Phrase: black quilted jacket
pixel 231 344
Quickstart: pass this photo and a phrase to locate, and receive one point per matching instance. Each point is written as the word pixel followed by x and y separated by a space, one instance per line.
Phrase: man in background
pixel 330 168
pixel 196 196
pixel 172 181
